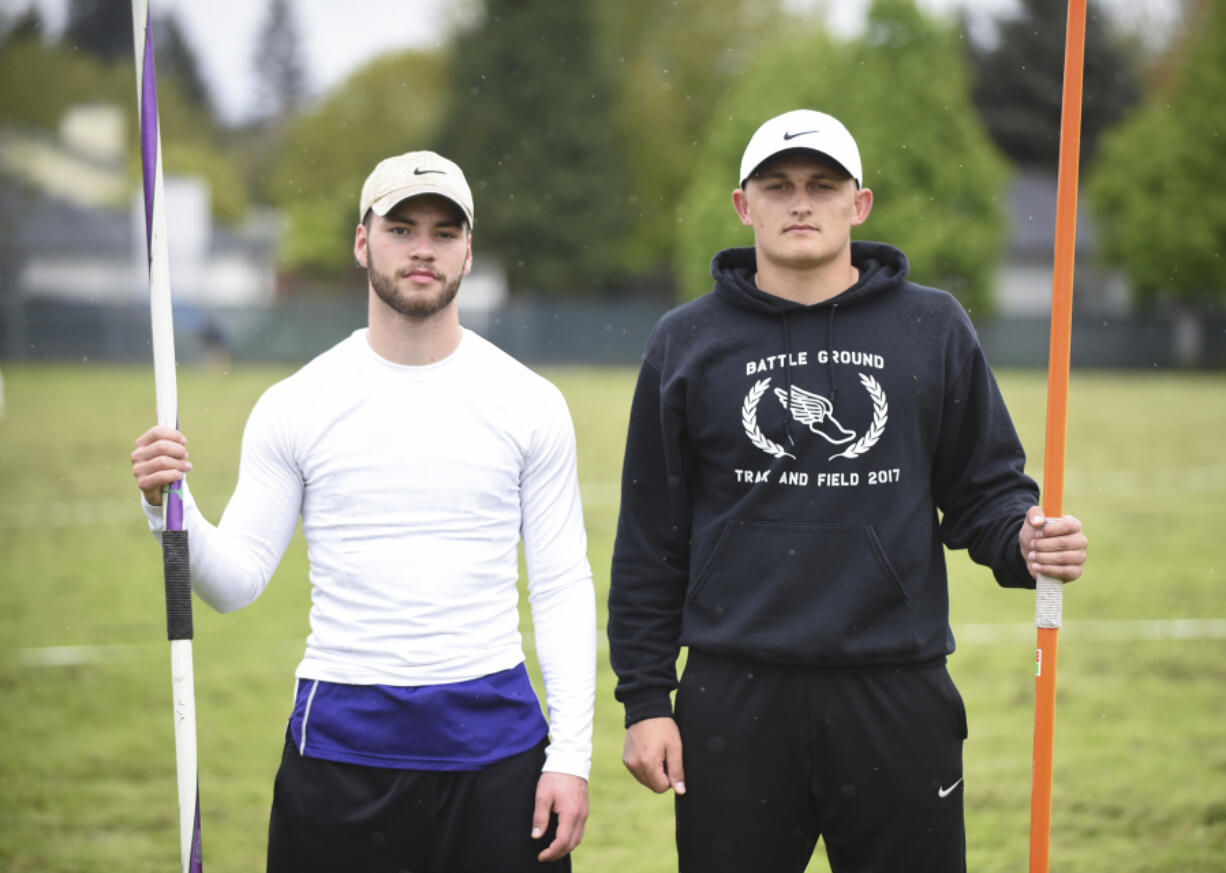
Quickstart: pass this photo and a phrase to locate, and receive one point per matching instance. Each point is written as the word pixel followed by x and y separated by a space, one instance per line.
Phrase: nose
pixel 423 248
pixel 800 205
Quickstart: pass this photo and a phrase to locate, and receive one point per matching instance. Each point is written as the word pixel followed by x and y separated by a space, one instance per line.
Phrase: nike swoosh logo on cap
pixel 788 136
pixel 945 792
pixel 420 172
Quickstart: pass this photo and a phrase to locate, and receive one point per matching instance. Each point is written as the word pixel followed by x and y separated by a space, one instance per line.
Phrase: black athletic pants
pixel 869 760
pixel 329 817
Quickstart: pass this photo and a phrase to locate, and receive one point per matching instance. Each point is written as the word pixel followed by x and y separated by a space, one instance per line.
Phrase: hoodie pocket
pixel 807 593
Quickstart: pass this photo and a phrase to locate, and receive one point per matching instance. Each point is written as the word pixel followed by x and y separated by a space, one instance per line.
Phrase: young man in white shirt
pixel 415 453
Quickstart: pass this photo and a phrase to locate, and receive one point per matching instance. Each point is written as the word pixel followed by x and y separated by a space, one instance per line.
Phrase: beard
pixel 410 305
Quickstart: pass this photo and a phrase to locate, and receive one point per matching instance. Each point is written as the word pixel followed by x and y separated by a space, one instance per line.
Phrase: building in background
pixel 72 236
pixel 1024 279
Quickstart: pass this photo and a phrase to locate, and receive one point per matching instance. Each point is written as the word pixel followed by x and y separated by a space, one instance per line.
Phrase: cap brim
pixel 383 205
pixel 800 149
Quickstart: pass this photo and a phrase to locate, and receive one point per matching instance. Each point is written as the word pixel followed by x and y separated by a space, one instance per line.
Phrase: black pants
pixel 329 817
pixel 870 761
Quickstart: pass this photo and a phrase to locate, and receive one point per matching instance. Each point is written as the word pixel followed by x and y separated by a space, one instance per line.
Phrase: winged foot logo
pixel 817 414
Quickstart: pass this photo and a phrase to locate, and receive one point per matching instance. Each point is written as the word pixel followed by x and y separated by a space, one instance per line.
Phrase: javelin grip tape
pixel 176 567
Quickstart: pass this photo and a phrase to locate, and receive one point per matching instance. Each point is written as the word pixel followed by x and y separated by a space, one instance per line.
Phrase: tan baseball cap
pixel 411 175
pixel 803 129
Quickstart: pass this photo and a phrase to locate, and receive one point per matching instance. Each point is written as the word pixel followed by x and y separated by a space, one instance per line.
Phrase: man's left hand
pixel 565 795
pixel 1054 547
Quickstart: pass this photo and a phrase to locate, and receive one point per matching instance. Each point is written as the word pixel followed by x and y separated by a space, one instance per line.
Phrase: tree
pixel 47 80
pixel 317 171
pixel 28 25
pixel 175 59
pixel 1019 83
pixel 1154 188
pixel 530 125
pixel 42 81
pixel 278 62
pixel 674 63
pixel 937 178
pixel 102 28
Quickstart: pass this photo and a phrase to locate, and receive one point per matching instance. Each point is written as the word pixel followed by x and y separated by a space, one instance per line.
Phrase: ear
pixel 468 258
pixel 359 245
pixel 740 203
pixel 863 206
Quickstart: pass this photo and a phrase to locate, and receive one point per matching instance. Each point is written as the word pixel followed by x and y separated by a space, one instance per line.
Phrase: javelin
pixel 1049 592
pixel 175 562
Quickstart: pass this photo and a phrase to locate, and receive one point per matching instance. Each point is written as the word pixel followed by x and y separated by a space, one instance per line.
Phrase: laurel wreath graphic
pixel 880 416
pixel 749 419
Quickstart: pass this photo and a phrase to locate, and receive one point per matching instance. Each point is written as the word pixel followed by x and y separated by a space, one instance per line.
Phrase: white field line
pixel 607 493
pixel 70 513
pixel 126 511
pixel 1123 631
pixel 1161 480
pixel 72 656
pixel 1159 630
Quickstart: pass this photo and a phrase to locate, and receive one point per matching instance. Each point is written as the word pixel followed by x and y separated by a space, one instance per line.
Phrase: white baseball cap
pixel 803 129
pixel 411 175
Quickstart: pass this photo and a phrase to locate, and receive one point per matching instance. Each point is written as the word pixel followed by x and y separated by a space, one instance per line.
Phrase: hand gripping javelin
pixel 175 562
pixel 1049 592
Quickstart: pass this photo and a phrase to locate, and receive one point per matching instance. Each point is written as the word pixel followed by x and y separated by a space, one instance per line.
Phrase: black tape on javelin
pixel 176 566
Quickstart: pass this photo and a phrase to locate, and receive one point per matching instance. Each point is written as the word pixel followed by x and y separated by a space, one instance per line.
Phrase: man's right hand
pixel 653 754
pixel 160 458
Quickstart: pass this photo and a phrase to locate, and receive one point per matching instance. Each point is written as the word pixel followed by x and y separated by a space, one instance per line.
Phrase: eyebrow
pixel 447 222
pixel 823 173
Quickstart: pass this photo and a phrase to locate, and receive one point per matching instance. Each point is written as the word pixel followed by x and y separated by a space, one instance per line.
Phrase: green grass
pixel 87 752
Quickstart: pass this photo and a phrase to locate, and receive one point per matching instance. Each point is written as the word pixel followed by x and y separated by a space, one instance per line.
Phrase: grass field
pixel 86 746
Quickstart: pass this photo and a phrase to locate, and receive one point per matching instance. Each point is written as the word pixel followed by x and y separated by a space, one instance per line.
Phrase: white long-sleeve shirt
pixel 414 486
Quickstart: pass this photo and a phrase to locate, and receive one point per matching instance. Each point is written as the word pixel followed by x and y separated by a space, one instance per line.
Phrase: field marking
pixel 1124 631
pixel 607 493
pixel 126 511
pixel 1207 478
pixel 978 633
pixel 70 513
pixel 66 656
pixel 75 656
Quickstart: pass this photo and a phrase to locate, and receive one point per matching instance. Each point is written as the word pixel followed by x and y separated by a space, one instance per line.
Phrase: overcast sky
pixel 340 36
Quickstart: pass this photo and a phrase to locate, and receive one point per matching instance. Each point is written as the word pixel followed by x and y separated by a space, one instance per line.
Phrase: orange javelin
pixel 1049 592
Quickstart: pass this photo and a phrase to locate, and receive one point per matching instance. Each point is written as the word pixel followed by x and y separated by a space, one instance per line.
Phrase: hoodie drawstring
pixel 787 368
pixel 787 375
pixel 834 385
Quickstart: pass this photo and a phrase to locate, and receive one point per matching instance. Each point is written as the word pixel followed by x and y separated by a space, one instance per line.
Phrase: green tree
pixel 392 105
pixel 176 60
pixel 43 81
pixel 278 62
pixel 530 125
pixel 101 27
pixel 28 25
pixel 46 80
pixel 1154 189
pixel 673 63
pixel 936 176
pixel 1019 83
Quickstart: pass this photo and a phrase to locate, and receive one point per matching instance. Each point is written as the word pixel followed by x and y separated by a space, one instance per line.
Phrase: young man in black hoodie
pixel 804 442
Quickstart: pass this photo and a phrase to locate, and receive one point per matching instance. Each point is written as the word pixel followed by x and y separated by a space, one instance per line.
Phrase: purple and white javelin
pixel 175 559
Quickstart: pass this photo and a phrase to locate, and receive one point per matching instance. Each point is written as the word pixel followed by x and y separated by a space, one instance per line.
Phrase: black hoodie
pixel 792 472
